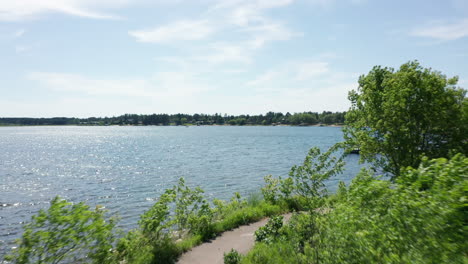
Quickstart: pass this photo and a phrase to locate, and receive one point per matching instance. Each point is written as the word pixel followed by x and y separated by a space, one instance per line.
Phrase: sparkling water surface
pixel 125 168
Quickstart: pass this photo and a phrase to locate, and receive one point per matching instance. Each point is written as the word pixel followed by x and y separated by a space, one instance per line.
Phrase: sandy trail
pixel 212 252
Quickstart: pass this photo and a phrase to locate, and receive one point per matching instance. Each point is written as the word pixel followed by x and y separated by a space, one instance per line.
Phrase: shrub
pixel 233 257
pixel 66 232
pixel 419 219
pixel 271 231
pixel 154 242
pixel 277 253
pixel 305 188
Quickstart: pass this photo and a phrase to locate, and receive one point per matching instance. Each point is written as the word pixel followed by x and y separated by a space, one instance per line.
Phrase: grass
pixel 247 215
pixel 253 210
pixel 228 215
pixel 278 253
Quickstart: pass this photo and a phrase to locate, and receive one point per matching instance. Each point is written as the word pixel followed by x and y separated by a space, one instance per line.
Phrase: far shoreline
pixel 187 125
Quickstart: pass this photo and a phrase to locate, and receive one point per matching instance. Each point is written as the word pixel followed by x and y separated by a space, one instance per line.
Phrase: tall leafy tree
pixel 396 117
pixel 66 233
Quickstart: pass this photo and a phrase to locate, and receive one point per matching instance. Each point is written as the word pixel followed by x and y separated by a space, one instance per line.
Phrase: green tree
pixel 420 218
pixel 302 118
pixel 178 213
pixel 396 117
pixel 306 181
pixel 66 233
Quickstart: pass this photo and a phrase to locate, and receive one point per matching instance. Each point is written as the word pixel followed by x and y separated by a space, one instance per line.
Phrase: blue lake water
pixel 125 168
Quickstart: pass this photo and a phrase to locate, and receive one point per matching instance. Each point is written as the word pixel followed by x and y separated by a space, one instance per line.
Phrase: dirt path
pixel 241 239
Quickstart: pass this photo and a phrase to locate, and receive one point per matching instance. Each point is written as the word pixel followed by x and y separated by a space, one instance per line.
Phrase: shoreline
pixel 188 125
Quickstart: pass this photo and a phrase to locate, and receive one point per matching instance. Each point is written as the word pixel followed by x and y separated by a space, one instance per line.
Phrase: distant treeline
pixel 270 118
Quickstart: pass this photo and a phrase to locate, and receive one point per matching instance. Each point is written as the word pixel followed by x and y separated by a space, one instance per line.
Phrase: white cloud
pixel 293 73
pixel 178 31
pixel 315 97
pixel 244 18
pixel 333 3
pixel 265 78
pixel 312 69
pixel 163 84
pixel 444 32
pixel 15 10
pixel 298 86
pixel 204 54
pixel 270 31
pixel 218 57
pixel 77 83
pixel 222 52
pixel 22 48
pixel 80 95
pixel 244 12
pixel 19 33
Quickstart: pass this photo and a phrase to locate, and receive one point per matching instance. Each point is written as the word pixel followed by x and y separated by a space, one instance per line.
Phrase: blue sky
pixel 109 57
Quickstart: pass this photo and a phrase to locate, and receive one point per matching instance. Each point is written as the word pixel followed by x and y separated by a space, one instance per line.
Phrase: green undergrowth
pixel 163 236
pixel 231 220
pixel 180 219
pixel 419 218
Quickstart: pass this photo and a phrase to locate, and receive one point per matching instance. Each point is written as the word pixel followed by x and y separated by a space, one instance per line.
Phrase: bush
pixel 233 257
pixel 305 188
pixel 68 233
pixel 277 253
pixel 179 220
pixel 159 228
pixel 135 248
pixel 271 231
pixel 419 219
pixel 164 235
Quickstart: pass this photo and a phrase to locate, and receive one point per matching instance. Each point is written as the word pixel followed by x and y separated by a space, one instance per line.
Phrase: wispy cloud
pixel 178 31
pixel 312 69
pixel 230 32
pixel 67 82
pixel 211 56
pixel 163 84
pixel 224 52
pixel 443 31
pixel 164 91
pixel 246 12
pixel 268 32
pixel 19 33
pixel 239 17
pixel 249 17
pixel 293 72
pixel 264 78
pixel 300 85
pixel 22 48
pixel 16 10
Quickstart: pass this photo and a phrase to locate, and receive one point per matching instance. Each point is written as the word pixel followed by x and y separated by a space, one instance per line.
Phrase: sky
pixel 82 58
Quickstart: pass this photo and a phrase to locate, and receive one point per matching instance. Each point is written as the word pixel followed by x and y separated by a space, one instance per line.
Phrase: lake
pixel 126 168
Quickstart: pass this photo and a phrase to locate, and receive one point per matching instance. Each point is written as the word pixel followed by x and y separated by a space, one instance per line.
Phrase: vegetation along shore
pixel 270 118
pixel 411 126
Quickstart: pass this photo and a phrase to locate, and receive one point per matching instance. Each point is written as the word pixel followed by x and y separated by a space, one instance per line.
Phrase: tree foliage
pixel 421 218
pixel 397 117
pixel 270 118
pixel 233 257
pixel 307 181
pixel 271 231
pixel 179 210
pixel 66 233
